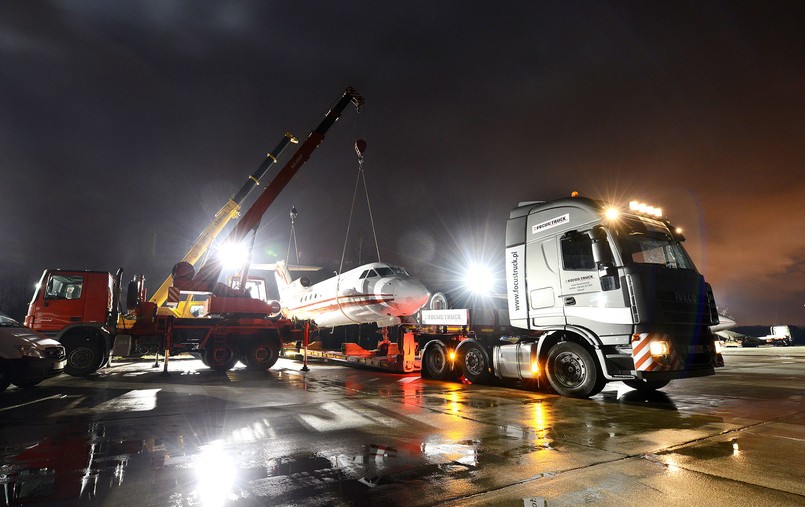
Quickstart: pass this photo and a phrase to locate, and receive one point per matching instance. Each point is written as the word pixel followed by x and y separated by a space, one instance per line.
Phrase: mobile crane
pixel 80 308
pixel 228 212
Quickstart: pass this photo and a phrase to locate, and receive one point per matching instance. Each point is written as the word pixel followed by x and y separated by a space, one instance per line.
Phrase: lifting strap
pixel 360 148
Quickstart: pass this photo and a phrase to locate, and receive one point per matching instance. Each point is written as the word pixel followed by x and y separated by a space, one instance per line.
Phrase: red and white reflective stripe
pixel 173 295
pixel 644 361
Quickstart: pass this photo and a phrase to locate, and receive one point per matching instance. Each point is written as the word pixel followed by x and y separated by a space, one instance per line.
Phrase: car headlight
pixel 30 351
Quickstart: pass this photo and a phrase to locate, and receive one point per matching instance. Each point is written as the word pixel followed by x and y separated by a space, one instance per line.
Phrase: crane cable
pixel 360 148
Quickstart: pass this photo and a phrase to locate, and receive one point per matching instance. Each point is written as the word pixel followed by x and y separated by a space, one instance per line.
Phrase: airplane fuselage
pixel 372 293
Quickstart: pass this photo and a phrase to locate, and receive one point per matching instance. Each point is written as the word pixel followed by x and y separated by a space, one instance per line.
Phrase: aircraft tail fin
pixel 283 277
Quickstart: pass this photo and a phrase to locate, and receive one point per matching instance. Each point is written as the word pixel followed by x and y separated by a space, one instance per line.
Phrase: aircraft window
pixel 371 274
pixel 399 271
pixel 364 274
pixel 385 272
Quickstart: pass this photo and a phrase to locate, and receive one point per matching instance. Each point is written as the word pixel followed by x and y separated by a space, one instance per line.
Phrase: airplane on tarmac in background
pixel 377 293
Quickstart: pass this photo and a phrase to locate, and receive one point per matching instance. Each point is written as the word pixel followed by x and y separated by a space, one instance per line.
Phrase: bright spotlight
pixel 233 255
pixel 479 279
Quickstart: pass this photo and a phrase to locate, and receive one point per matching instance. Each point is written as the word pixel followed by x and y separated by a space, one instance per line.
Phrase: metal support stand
pixel 305 341
pixel 168 333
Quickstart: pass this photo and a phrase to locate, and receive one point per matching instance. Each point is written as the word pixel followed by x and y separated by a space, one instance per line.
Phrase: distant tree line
pixel 15 294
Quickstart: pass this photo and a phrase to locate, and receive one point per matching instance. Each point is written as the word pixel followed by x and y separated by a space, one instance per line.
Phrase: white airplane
pixel 373 293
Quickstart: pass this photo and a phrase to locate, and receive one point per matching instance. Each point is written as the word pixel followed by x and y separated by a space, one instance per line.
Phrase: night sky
pixel 125 125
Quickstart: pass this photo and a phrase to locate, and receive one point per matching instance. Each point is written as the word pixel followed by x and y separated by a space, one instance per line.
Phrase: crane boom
pixel 227 212
pixel 207 276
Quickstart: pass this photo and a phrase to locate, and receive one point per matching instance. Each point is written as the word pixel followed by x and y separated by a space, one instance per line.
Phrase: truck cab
pixel 618 284
pixel 78 309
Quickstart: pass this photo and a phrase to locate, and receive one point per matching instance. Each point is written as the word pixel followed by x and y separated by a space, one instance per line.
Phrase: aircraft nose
pixel 410 296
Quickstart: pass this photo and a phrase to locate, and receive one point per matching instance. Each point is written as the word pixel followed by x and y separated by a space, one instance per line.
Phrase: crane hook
pixel 360 147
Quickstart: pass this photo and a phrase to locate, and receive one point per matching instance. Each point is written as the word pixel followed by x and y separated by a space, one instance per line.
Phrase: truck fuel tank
pixel 516 361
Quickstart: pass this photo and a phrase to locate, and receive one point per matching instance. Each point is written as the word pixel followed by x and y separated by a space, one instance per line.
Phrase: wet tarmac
pixel 132 435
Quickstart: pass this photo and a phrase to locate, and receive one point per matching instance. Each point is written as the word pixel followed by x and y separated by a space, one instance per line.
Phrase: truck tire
pixel 261 354
pixel 573 372
pixel 5 376
pixel 221 356
pixel 474 363
pixel 646 386
pixel 84 356
pixel 435 363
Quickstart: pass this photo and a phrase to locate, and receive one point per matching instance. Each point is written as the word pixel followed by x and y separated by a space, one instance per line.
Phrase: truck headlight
pixel 30 351
pixel 659 348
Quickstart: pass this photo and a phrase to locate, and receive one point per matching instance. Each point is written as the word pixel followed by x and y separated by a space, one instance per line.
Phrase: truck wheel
pixel 221 356
pixel 5 377
pixel 573 372
pixel 646 386
pixel 473 362
pixel 84 356
pixel 435 364
pixel 261 354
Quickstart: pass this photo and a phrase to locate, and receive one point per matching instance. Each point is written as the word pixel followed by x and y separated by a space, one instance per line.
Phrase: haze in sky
pixel 125 125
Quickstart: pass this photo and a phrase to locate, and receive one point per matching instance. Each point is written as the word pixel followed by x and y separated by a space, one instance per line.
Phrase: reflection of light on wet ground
pixel 139 400
pixel 215 475
pixel 454 405
pixel 465 453
pixel 257 430
pixel 541 416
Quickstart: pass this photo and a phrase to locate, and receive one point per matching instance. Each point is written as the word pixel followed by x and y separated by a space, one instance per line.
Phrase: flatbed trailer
pixel 399 357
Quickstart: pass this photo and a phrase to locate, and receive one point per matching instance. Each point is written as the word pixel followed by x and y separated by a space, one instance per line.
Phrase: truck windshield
pixel 646 241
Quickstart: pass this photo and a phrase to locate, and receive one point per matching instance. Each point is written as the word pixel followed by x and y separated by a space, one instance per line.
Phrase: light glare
pixel 479 279
pixel 233 255
pixel 659 348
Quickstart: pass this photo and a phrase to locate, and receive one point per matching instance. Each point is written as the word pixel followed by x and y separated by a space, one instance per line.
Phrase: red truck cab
pixel 64 298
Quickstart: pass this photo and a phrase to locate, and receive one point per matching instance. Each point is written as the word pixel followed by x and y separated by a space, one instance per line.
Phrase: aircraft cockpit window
pixel 364 274
pixel 399 271
pixel 384 271
pixel 369 274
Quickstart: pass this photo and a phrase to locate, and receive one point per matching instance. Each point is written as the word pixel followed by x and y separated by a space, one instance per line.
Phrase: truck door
pixel 60 302
pixel 544 299
pixel 585 303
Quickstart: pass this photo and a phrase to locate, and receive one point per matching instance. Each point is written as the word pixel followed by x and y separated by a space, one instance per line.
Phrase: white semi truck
pixel 596 293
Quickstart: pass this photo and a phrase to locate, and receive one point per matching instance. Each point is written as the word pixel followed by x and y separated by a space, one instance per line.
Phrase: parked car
pixel 27 357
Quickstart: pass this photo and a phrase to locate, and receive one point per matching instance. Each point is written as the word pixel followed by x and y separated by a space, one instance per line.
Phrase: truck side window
pixel 577 252
pixel 64 287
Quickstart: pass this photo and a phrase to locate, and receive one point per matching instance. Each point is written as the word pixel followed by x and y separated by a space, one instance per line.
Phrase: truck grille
pixel 679 306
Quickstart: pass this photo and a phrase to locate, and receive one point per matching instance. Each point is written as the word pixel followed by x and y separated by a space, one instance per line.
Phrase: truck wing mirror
pixel 602 255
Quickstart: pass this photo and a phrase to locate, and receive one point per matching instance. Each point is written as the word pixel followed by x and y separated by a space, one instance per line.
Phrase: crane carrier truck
pixel 596 293
pixel 81 308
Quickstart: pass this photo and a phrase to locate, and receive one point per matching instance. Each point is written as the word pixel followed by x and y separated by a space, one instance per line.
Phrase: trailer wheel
pixel 646 386
pixel 84 356
pixel 573 372
pixel 474 364
pixel 435 364
pixel 221 356
pixel 261 354
pixel 5 376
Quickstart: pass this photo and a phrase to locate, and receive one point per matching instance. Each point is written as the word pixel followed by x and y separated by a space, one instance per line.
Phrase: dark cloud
pixel 124 126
